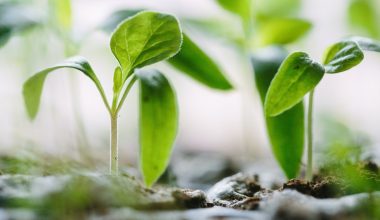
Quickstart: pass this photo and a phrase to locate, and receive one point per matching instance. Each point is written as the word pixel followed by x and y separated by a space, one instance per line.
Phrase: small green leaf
pixel 32 88
pixel 264 9
pixel 366 43
pixel 158 124
pixel 342 56
pixel 286 131
pixel 117 80
pixel 362 15
pixel 281 31
pixel 146 38
pixel 194 62
pixel 117 17
pixel 297 76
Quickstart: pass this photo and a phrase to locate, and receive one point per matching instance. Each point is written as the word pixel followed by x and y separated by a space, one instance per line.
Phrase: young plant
pixel 144 39
pixel 298 75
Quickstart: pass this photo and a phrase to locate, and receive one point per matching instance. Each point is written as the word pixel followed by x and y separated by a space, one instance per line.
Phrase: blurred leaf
pixel 146 38
pixel 282 31
pixel 342 56
pixel 286 131
pixel 297 76
pixel 264 9
pixel 62 13
pixel 194 62
pixel 366 43
pixel 116 18
pixel 158 123
pixel 362 15
pixel 32 88
pixel 242 8
pixel 15 18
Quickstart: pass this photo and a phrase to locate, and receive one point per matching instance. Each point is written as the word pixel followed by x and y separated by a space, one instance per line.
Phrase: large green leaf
pixel 297 76
pixel 362 15
pixel 286 131
pixel 15 18
pixel 158 124
pixel 342 56
pixel 32 88
pixel 366 43
pixel 146 38
pixel 195 63
pixel 281 31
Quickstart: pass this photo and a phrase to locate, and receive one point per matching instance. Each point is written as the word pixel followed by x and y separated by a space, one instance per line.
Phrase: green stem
pixel 114 167
pixel 309 170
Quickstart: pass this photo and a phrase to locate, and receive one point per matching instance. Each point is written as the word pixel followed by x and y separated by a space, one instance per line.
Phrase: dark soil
pixel 327 187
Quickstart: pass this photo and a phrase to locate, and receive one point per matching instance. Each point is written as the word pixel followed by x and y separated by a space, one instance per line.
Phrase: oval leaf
pixel 242 8
pixel 146 38
pixel 158 124
pixel 282 31
pixel 366 43
pixel 342 56
pixel 32 88
pixel 195 63
pixel 286 131
pixel 297 76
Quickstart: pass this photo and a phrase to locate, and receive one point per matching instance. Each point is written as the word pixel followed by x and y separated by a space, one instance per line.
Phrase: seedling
pixel 298 75
pixel 158 37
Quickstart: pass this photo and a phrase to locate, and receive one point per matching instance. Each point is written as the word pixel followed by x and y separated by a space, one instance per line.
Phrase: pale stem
pixel 309 170
pixel 114 145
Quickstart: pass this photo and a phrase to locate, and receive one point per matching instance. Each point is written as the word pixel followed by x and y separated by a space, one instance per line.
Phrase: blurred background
pixel 72 117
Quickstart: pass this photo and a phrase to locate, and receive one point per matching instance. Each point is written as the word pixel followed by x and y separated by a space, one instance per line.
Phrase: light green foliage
pixel 297 76
pixel 158 124
pixel 281 31
pixel 144 39
pixel 363 16
pixel 32 88
pixel 195 63
pixel 342 56
pixel 286 131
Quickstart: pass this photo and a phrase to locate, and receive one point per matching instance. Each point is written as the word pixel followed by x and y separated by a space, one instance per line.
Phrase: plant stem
pixel 114 146
pixel 309 170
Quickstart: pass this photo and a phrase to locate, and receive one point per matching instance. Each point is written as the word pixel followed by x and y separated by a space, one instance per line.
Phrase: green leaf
pixel 158 124
pixel 146 38
pixel 117 17
pixel 32 88
pixel 282 31
pixel 366 43
pixel 362 16
pixel 194 62
pixel 342 56
pixel 286 131
pixel 241 8
pixel 297 76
